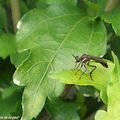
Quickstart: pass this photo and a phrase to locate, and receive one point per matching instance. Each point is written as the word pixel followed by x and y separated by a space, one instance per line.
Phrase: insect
pixel 85 59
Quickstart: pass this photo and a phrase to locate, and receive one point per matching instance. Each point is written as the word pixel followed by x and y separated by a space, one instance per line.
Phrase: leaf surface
pixel 63 111
pixel 113 17
pixel 6 100
pixel 113 108
pixel 113 92
pixel 7 45
pixel 101 77
pixel 52 35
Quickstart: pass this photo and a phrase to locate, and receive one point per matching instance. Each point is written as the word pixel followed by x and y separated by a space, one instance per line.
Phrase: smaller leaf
pixel 10 102
pixel 10 90
pixel 101 77
pixel 113 104
pixel 116 71
pixel 92 8
pixel 113 92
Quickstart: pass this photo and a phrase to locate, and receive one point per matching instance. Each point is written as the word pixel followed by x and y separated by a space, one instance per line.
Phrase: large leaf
pixel 52 35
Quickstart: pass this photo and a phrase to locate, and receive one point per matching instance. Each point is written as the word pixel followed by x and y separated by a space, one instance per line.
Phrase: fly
pixel 84 60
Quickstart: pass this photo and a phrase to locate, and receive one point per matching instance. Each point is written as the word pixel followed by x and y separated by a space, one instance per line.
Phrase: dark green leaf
pixel 62 110
pixel 113 17
pixel 23 8
pixel 7 45
pixel 10 103
pixel 3 18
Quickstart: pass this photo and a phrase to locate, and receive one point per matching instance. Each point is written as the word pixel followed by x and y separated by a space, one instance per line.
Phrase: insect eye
pixel 82 58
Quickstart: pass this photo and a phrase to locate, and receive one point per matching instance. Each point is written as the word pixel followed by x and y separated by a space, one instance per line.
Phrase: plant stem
pixel 110 5
pixel 15 13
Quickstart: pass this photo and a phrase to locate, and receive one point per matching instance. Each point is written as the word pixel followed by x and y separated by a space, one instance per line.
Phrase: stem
pixel 110 5
pixel 15 13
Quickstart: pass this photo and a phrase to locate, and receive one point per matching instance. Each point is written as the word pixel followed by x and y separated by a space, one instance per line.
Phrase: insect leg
pixel 80 67
pixel 75 66
pixel 83 71
pixel 94 67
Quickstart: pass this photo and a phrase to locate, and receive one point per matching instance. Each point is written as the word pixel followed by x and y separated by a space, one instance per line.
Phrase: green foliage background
pixel 36 76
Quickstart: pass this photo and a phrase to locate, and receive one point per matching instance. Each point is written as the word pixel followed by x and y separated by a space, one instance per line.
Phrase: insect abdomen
pixel 104 64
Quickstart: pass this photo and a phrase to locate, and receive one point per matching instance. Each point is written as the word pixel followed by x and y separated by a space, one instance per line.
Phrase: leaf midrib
pixel 57 52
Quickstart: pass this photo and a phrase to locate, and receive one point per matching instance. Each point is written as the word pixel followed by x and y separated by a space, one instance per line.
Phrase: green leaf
pixel 37 87
pixel 52 35
pixel 113 108
pixel 113 92
pixel 116 71
pixel 7 45
pixel 10 90
pixel 23 7
pixel 62 110
pixel 94 8
pixel 19 58
pixel 73 2
pixel 3 18
pixel 64 28
pixel 101 78
pixel 10 102
pixel 113 17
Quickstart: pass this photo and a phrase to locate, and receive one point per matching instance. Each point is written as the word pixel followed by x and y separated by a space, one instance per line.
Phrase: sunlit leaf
pixel 101 78
pixel 116 71
pixel 113 104
pixel 113 93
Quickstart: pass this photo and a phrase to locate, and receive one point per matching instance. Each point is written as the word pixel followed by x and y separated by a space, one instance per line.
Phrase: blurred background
pixel 11 11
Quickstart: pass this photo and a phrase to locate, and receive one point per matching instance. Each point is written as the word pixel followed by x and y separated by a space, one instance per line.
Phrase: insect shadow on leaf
pixel 84 60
